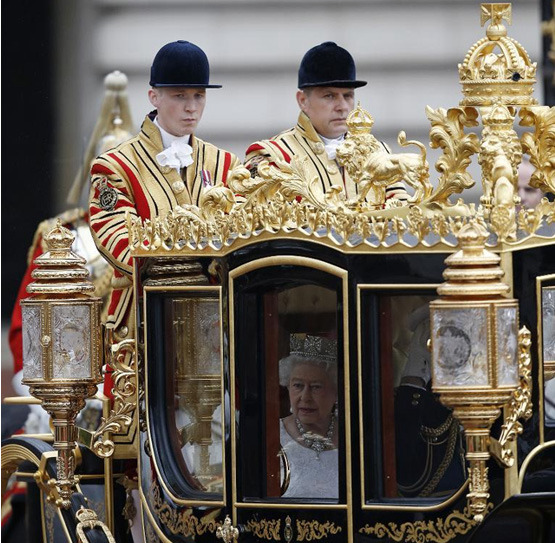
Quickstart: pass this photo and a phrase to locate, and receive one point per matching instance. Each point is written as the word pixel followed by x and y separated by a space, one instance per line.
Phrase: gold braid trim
pixel 449 453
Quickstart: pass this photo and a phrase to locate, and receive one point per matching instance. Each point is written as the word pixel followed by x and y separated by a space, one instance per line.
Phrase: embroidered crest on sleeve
pixel 108 196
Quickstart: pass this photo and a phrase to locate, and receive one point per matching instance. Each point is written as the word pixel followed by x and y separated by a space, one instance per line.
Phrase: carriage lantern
pixel 475 350
pixel 61 347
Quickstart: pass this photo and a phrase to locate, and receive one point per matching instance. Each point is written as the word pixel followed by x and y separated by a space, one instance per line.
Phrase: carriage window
pixel 195 416
pixel 416 444
pixel 548 352
pixel 297 410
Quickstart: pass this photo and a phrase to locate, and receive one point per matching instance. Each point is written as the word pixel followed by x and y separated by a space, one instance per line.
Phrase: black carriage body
pixel 388 483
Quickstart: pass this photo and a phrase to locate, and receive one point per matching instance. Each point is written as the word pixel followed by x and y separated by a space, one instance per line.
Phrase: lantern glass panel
pixel 507 340
pixel 72 344
pixel 460 342
pixel 32 351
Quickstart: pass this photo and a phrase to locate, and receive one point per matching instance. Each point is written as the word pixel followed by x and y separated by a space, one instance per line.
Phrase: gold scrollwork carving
pixel 265 529
pixel 180 522
pixel 520 406
pixel 312 530
pixel 540 145
pixel 447 133
pixel 438 531
pixel 122 359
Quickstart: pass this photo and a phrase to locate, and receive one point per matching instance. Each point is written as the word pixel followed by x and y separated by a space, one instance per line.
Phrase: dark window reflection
pixel 421 451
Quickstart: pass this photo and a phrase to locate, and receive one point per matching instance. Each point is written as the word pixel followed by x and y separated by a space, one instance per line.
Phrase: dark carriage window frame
pixel 370 405
pixel 344 465
pixel 171 477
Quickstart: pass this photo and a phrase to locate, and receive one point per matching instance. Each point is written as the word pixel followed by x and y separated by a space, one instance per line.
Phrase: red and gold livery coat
pixel 303 140
pixel 128 179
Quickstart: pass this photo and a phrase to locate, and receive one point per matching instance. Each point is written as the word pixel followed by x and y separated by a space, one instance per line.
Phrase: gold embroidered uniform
pixel 128 179
pixel 303 140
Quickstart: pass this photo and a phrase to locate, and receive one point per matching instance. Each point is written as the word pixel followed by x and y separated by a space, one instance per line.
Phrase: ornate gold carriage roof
pixel 497 77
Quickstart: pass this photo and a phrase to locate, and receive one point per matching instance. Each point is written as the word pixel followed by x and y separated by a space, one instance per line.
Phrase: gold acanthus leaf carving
pixel 180 522
pixel 117 420
pixel 312 530
pixel 447 133
pixel 520 406
pixel 438 531
pixel 265 529
pixel 540 145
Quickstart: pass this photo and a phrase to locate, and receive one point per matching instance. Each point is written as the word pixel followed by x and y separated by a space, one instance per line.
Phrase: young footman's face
pixel 327 108
pixel 179 108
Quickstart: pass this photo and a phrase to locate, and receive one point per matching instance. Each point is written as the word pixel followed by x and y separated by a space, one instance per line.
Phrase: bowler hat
pixel 328 65
pixel 181 64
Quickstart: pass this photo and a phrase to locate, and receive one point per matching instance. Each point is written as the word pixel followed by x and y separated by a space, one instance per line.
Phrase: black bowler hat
pixel 328 65
pixel 180 64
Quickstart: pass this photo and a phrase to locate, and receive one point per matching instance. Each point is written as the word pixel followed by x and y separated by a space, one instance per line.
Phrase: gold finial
pixel 60 238
pixel 496 13
pixel 473 270
pixel 359 121
pixel 59 270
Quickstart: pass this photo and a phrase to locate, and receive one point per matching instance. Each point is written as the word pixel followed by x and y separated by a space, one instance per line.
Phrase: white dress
pixel 311 477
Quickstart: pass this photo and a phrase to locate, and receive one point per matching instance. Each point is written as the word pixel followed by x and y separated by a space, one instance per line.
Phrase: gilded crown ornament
pixel 313 347
pixel 359 121
pixel 497 66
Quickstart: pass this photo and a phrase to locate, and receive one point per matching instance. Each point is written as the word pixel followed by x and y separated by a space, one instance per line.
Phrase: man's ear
pixel 154 97
pixel 301 100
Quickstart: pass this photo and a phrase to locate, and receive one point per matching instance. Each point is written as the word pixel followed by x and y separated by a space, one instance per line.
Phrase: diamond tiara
pixel 313 347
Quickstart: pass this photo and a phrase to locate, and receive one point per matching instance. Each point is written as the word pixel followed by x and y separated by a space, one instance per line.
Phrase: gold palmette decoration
pixel 477 356
pixel 61 347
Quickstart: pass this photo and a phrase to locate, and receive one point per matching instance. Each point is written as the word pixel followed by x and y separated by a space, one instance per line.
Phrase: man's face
pixel 179 108
pixel 529 196
pixel 327 108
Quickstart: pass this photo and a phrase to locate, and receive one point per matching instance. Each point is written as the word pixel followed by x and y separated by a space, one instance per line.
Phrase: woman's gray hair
pixel 287 364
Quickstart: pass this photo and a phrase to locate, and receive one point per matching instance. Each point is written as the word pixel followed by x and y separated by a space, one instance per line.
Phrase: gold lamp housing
pixel 474 342
pixel 61 346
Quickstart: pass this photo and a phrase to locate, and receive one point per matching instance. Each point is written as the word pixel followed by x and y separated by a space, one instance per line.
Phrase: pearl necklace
pixel 317 442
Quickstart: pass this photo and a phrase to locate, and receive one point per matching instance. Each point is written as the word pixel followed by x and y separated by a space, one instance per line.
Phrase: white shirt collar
pixel 328 141
pixel 167 138
pixel 331 145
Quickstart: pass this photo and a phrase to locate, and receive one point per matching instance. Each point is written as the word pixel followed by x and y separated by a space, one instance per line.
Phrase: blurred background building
pixel 56 53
